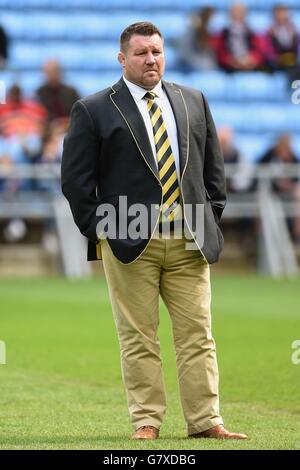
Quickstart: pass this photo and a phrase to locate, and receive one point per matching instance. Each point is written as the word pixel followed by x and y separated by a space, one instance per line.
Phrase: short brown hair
pixel 143 28
pixel 279 7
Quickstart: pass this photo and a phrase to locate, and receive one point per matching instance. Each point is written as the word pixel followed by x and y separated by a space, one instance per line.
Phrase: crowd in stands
pixel 32 131
pixel 285 186
pixel 237 47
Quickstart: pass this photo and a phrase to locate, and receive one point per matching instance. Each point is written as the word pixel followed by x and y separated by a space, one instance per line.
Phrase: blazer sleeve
pixel 214 175
pixel 79 170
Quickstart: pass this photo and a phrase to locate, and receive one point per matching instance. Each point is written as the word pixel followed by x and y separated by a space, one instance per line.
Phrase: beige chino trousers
pixel 182 278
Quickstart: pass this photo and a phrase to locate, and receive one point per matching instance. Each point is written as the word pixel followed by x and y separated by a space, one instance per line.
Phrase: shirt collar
pixel 138 92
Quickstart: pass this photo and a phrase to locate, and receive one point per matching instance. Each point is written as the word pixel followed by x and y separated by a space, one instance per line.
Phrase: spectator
pixel 3 47
pixel 52 146
pixel 19 116
pixel 237 183
pixel 51 154
pixel 21 126
pixel 57 97
pixel 281 153
pixel 5 167
pixel 283 38
pixel 230 153
pixel 238 48
pixel 286 187
pixel 242 179
pixel 196 48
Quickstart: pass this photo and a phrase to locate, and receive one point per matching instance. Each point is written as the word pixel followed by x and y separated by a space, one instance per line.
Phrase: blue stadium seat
pixel 110 26
pixel 13 23
pixel 30 81
pixel 88 83
pixel 259 86
pixel 227 114
pixel 45 25
pixel 258 117
pixel 242 86
pixel 24 55
pixel 258 20
pixel 212 84
pixel 132 4
pixel 86 55
pixel 187 4
pixel 177 77
pixel 296 145
pixel 80 55
pixel 253 146
pixel 53 25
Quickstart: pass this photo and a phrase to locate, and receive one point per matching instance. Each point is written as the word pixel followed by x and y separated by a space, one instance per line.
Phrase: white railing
pixel 277 252
pixel 52 171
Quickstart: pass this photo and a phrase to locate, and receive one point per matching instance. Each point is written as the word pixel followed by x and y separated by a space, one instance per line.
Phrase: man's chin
pixel 151 80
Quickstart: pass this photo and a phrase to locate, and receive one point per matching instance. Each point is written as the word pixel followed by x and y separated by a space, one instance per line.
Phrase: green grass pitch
pixel 61 387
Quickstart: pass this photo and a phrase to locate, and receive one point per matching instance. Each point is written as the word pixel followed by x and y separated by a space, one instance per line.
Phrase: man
pixel 283 38
pixel 4 43
pixel 57 97
pixel 155 143
pixel 239 48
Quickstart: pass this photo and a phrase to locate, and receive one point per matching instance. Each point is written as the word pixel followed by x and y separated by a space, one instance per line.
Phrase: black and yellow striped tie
pixel 165 158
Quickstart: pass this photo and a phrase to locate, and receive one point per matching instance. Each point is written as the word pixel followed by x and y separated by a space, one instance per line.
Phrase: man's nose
pixel 150 59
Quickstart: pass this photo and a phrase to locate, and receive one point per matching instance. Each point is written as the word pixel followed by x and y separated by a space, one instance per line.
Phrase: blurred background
pixel 243 56
pixel 61 385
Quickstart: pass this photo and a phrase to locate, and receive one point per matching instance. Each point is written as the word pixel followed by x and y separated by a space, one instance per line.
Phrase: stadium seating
pixel 45 25
pixel 87 55
pixel 134 4
pixel 257 105
pixel 85 25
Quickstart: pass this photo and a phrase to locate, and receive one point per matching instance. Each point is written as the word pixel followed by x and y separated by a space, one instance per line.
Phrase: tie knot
pixel 150 95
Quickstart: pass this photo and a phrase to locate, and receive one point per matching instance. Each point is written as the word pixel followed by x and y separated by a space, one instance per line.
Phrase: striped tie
pixel 165 158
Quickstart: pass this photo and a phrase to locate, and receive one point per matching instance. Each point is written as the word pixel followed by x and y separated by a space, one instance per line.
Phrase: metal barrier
pixel 45 205
pixel 277 255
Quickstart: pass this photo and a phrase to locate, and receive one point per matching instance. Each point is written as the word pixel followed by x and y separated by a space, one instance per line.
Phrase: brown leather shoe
pixel 219 432
pixel 146 432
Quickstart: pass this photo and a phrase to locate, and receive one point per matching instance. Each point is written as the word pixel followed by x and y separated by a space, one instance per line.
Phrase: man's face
pixel 143 60
pixel 238 13
pixel 281 15
pixel 52 72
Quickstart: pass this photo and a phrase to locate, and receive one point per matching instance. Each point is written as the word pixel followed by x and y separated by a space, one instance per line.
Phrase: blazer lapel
pixel 181 117
pixel 125 104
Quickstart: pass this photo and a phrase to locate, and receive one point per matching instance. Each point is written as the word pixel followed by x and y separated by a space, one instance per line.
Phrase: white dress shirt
pixel 162 101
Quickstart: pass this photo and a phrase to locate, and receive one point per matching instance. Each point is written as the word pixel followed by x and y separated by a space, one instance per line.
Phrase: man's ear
pixel 121 58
